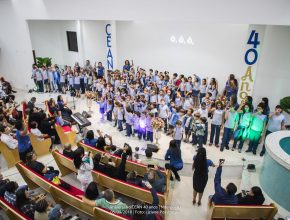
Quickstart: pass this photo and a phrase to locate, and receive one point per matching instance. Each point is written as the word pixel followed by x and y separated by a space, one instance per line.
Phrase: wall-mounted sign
pixel 110 64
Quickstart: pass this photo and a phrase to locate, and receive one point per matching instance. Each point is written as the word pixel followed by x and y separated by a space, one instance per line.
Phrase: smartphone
pixel 222 160
pixel 150 166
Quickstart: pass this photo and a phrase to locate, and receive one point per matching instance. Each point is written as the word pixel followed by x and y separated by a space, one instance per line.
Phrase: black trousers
pixel 173 169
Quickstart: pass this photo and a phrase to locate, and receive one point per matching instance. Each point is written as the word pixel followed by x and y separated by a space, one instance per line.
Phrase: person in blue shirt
pixel 223 196
pixel 175 164
pixel 90 138
pixel 101 70
pixel 200 176
pixel 24 145
pixel 127 66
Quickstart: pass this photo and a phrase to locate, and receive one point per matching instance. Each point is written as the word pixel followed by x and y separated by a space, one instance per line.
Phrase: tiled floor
pixel 182 207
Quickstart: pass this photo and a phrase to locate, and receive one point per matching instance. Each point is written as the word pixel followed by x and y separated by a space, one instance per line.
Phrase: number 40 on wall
pixel 254 40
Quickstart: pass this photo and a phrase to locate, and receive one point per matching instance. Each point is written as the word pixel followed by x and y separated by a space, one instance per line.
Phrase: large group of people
pixel 193 110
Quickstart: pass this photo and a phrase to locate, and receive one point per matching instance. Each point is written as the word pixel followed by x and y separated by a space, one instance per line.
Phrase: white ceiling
pixel 202 11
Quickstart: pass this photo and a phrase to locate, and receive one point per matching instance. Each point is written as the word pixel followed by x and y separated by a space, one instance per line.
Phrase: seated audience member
pixel 149 159
pixel 90 138
pixel 156 178
pixel 108 202
pixel 48 172
pixel 132 178
pixel 3 184
pixel 45 211
pixel 7 139
pixel 52 107
pixel 25 204
pixel 31 104
pixel 253 197
pixel 34 130
pixel 127 149
pixel 110 168
pixel 47 126
pixel 24 145
pixel 223 196
pixel 62 106
pixel 9 194
pixel 59 120
pixel 67 151
pixel 101 144
pixel 92 192
pixel 111 149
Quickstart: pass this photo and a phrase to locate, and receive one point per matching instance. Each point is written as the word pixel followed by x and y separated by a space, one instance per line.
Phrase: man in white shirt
pixel 7 139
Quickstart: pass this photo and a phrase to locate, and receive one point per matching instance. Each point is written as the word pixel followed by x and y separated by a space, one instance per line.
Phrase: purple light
pixel 142 123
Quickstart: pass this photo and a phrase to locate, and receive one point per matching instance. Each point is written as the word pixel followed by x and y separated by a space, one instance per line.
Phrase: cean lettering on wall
pixel 251 57
pixel 110 64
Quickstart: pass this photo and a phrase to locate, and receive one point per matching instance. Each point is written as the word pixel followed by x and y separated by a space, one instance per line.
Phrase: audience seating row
pixel 41 147
pixel 66 166
pixel 11 211
pixel 239 212
pixel 63 196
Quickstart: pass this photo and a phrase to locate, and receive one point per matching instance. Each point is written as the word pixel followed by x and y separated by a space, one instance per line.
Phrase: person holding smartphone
pixel 223 196
pixel 253 197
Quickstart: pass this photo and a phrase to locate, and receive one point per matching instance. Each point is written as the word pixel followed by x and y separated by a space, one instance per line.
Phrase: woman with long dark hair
pixel 200 176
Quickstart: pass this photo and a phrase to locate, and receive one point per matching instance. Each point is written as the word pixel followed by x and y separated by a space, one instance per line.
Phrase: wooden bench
pixel 63 196
pixel 66 137
pixel 41 147
pixel 11 211
pixel 10 155
pixel 66 166
pixel 221 212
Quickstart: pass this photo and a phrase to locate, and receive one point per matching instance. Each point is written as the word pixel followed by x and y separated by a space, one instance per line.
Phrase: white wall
pixel 273 73
pixel 218 49
pixel 49 39
pixel 16 56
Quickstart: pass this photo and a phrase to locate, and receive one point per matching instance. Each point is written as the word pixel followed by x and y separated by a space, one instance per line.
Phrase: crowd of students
pixel 188 106
pixel 132 98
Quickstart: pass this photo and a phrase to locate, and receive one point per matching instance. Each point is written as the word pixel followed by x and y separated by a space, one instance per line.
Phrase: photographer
pixel 223 196
pixel 155 178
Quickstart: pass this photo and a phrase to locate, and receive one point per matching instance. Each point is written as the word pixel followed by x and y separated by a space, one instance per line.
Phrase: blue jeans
pixel 109 115
pixel 205 133
pixel 240 136
pixel 150 136
pixel 194 139
pixel 200 141
pixel 228 132
pixel 128 129
pixel 215 131
pixel 254 140
pixel 120 125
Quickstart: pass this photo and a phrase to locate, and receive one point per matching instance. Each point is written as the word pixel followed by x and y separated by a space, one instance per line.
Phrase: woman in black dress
pixel 200 176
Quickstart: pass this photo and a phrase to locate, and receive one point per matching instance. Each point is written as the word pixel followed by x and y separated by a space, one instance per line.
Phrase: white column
pixel 254 43
pixel 111 45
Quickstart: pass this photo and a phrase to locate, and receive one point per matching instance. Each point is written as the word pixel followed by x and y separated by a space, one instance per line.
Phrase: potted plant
pixel 285 104
pixel 43 61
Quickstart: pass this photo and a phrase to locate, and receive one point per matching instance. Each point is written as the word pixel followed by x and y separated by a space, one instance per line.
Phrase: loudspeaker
pixel 154 148
pixel 86 115
pixel 72 41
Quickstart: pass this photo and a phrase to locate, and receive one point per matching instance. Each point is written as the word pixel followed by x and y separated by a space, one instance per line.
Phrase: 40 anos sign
pixel 251 57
